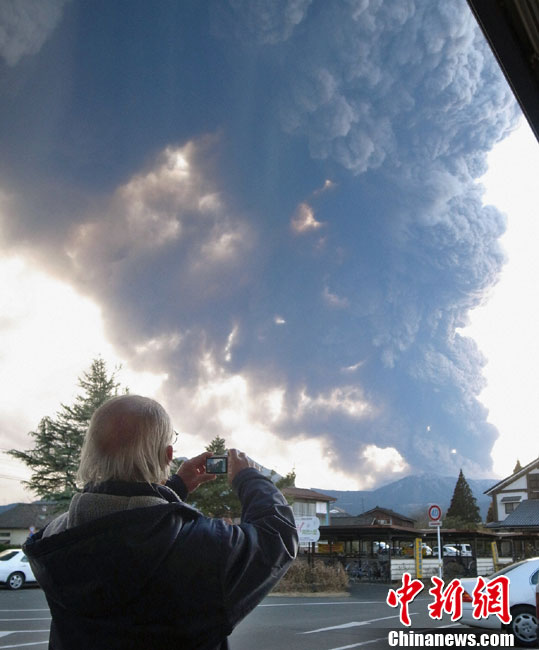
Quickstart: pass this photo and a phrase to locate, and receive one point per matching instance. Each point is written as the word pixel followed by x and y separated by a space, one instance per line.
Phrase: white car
pixel 522 581
pixel 15 569
pixel 447 550
pixel 464 550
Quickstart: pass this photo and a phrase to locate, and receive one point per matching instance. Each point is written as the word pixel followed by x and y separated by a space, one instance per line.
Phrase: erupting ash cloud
pixel 310 262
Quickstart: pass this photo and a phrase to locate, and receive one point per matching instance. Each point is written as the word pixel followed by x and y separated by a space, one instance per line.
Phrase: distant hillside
pixel 410 495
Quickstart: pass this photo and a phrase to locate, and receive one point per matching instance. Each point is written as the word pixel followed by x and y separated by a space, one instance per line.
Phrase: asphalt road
pixel 279 623
pixel 24 618
pixel 361 619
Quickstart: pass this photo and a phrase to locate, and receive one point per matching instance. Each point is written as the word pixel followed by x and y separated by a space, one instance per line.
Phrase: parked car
pixel 523 577
pixel 408 550
pixel 464 550
pixel 447 550
pixel 381 547
pixel 15 569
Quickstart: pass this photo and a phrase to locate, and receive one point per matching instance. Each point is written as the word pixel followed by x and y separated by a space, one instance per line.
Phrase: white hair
pixel 126 440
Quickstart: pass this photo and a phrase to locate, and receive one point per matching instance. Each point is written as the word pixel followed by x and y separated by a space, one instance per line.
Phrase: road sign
pixel 435 513
pixel 435 524
pixel 308 529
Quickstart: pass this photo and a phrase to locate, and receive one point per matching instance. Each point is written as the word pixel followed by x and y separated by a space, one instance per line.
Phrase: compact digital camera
pixel 217 465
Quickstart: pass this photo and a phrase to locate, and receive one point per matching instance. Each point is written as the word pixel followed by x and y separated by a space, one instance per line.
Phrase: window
pixel 302 509
pixel 510 507
pixel 533 486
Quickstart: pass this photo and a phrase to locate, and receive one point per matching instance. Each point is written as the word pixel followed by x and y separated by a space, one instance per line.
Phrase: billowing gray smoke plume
pixel 316 228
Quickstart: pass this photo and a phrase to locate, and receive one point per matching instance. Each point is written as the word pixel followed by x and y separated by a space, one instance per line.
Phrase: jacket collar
pixel 133 489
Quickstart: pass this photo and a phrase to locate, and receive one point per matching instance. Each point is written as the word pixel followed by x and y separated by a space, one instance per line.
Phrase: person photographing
pixel 130 565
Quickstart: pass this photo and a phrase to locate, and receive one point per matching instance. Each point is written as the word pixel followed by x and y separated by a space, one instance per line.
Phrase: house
pixel 524 518
pixel 18 520
pixel 309 503
pixel 377 516
pixel 509 493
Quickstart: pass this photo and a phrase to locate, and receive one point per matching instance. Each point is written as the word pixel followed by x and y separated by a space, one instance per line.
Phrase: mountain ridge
pixel 410 495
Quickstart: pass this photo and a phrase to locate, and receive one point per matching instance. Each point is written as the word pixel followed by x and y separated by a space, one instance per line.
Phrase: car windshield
pixel 7 555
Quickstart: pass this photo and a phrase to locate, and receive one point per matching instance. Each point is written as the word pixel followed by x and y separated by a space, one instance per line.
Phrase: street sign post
pixel 435 520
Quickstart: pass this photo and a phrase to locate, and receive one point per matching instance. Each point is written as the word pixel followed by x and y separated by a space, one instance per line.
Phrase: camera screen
pixel 216 465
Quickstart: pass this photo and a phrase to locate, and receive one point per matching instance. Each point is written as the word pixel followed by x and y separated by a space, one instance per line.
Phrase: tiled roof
pixel 526 515
pixel 24 515
pixel 392 513
pixel 353 521
pixel 304 493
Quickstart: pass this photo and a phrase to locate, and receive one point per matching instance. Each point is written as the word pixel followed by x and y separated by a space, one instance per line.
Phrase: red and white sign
pixel 435 513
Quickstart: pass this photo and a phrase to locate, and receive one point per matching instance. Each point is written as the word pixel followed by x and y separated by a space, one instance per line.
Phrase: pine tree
pixel 463 511
pixel 518 467
pixel 57 441
pixel 287 481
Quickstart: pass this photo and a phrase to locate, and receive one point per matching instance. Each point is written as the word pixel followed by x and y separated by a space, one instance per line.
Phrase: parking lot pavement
pixel 333 623
pixel 24 618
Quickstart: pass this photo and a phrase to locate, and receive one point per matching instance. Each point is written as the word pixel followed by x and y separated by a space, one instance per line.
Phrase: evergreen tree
pixel 463 511
pixel 55 457
pixel 287 481
pixel 518 467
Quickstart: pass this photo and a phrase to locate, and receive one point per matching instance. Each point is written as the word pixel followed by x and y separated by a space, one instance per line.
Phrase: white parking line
pixel 6 632
pixel 44 618
pixel 352 624
pixel 383 638
pixel 21 645
pixel 356 645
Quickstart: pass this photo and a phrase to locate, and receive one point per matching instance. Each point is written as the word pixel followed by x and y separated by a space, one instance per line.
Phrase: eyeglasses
pixel 176 434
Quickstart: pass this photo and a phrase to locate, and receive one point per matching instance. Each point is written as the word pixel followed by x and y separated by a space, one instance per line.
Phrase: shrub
pixel 320 577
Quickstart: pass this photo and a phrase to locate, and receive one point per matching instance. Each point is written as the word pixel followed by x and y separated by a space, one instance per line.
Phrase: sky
pixel 286 221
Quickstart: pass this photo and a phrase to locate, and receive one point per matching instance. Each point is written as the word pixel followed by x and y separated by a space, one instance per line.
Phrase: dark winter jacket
pixel 131 566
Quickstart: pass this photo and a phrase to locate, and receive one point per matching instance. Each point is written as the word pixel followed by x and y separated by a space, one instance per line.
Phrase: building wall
pixel 399 565
pixel 304 508
pixel 519 484
pixel 519 487
pixel 14 536
pixel 501 510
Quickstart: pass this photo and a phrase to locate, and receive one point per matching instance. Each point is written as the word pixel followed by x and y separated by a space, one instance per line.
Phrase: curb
pixel 310 594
